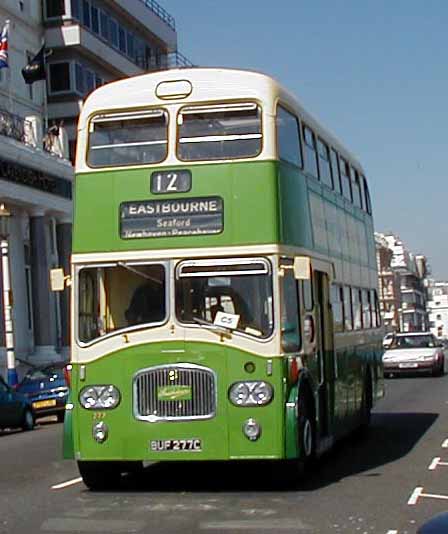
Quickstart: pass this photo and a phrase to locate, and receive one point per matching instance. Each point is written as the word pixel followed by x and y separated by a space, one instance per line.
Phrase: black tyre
pixel 28 420
pixel 306 432
pixel 291 471
pixel 100 476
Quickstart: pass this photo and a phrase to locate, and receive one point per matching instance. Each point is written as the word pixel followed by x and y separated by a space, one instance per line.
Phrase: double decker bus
pixel 224 283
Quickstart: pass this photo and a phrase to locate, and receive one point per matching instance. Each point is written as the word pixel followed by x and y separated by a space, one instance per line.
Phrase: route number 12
pixel 170 182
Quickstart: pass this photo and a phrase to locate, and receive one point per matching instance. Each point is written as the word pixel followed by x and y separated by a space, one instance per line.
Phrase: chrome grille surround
pixel 202 381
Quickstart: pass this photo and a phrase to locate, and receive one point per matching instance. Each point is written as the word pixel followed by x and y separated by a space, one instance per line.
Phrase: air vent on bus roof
pixel 174 89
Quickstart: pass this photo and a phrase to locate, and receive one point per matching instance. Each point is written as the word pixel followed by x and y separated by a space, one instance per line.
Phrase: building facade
pixel 388 285
pixel 437 308
pixel 88 43
pixel 93 42
pixel 402 279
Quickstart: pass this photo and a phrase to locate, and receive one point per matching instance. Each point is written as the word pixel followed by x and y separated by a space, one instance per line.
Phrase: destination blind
pixel 173 217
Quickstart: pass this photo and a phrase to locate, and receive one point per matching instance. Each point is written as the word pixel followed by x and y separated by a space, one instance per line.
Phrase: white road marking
pixel 445 444
pixel 415 495
pixel 418 492
pixel 392 532
pixel 434 464
pixel 258 525
pixel 68 483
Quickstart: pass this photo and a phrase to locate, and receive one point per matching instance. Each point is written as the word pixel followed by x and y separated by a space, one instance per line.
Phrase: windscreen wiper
pixel 211 326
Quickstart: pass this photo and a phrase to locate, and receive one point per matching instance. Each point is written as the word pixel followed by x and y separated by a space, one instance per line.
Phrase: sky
pixel 373 72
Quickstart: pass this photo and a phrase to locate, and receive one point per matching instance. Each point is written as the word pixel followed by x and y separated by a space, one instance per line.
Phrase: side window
pixel 366 309
pixel 345 178
pixel 310 152
pixel 290 314
pixel 324 163
pixel 335 170
pixel 307 292
pixel 377 310
pixel 356 187
pixel 337 306
pixel 348 317
pixel 357 311
pixel 376 318
pixel 288 137
pixel 367 204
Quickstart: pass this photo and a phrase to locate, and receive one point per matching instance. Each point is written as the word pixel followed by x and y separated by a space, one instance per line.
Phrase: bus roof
pixel 209 84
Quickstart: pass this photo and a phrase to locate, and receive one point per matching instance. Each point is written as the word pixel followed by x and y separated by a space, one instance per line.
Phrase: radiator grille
pixel 199 381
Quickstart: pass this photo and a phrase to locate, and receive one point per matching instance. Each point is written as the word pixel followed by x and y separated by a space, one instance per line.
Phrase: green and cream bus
pixel 224 301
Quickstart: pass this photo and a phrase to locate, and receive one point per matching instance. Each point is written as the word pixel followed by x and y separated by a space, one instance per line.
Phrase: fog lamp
pixel 100 432
pixel 251 429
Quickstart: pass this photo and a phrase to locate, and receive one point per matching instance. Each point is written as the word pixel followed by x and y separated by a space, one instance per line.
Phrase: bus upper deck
pixel 197 156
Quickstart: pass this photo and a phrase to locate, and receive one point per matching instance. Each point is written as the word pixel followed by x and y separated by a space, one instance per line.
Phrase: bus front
pixel 177 281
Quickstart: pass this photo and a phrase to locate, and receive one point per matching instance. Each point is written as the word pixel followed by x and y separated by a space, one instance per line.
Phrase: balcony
pixel 22 142
pixel 160 12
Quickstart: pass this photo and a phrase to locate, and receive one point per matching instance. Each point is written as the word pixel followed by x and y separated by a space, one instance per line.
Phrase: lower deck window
pixel 113 298
pixel 244 289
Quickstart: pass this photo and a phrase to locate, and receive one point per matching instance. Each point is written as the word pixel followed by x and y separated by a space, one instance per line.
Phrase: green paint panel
pixel 248 190
pixel 222 437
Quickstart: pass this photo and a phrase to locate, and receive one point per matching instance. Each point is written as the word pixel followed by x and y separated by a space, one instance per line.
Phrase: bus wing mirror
pixel 302 268
pixel 58 281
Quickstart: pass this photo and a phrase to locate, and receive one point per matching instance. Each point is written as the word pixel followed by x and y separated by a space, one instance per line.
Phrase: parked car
pixel 436 525
pixel 47 389
pixel 387 340
pixel 414 352
pixel 15 409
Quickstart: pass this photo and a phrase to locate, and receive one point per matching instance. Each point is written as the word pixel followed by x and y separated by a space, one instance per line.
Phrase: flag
pixel 4 46
pixel 35 70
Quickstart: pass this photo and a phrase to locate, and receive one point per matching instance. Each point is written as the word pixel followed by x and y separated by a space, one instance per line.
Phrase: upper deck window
pixel 128 138
pixel 226 131
pixel 310 151
pixel 288 137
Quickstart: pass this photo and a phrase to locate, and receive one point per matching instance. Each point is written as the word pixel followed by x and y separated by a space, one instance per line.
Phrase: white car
pixel 414 352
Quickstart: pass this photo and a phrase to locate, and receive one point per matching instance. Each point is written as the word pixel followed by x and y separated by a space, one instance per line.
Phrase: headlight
pixel 429 357
pixel 250 393
pixel 99 397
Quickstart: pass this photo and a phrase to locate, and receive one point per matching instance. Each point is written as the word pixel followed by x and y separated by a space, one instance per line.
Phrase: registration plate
pixel 407 365
pixel 44 403
pixel 163 445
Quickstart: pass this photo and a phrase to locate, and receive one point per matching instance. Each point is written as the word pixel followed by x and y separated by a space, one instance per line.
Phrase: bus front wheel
pixel 100 475
pixel 306 432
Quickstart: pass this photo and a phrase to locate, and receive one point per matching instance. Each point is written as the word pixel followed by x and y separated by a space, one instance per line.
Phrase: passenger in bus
pixel 147 304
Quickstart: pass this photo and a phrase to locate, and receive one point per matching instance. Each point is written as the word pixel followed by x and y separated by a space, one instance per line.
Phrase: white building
pixel 437 307
pixel 92 42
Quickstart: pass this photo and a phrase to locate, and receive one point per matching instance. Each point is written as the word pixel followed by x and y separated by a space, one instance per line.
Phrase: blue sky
pixel 374 72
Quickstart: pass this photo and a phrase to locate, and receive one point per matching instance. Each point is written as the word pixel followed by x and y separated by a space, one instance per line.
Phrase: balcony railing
pixel 160 12
pixel 29 132
pixel 13 126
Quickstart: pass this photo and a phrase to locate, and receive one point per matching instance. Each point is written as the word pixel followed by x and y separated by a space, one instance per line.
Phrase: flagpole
pixel 9 75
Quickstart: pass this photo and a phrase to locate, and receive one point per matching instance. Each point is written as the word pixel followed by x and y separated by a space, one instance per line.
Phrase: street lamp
pixel 7 295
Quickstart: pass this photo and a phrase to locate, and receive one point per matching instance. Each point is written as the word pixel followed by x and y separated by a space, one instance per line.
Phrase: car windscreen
pixel 133 138
pixel 412 342
pixel 54 373
pixel 219 132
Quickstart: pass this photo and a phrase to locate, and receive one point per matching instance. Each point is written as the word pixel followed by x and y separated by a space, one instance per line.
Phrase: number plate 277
pixel 162 445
